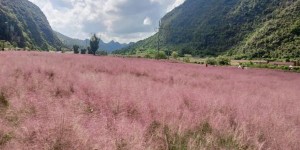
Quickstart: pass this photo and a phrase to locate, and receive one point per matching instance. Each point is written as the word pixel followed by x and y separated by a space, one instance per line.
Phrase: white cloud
pixel 119 20
pixel 147 21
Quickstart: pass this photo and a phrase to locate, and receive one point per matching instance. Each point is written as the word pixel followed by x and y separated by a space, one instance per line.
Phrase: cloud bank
pixel 119 20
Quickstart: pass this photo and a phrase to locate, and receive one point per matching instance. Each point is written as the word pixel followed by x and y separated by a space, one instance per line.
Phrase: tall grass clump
pixel 3 101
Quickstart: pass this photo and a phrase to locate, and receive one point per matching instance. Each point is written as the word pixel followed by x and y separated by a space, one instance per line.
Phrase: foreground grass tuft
pixel 202 137
pixel 3 101
pixel 5 138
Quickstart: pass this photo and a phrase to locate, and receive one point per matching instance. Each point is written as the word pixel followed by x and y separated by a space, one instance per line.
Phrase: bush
pixel 83 51
pixel 101 53
pixel 76 49
pixel 175 55
pixel 89 50
pixel 168 52
pixel 186 59
pixel 222 60
pixel 297 62
pixel 147 56
pixel 211 61
pixel 160 55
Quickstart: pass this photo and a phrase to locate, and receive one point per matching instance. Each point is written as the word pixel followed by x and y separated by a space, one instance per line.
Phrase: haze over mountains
pixel 243 28
pixel 109 47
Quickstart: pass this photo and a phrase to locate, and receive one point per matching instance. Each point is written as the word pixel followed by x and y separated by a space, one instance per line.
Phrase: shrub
pixel 298 62
pixel 160 55
pixel 175 55
pixel 211 61
pixel 147 56
pixel 101 53
pixel 76 49
pixel 186 59
pixel 222 60
pixel 89 50
pixel 168 52
pixel 83 51
pixel 296 68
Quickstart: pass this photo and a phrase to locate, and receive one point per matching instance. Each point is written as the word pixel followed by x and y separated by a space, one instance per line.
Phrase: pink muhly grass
pixel 65 101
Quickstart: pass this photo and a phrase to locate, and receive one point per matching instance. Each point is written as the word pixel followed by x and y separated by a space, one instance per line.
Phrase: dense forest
pixel 24 25
pixel 239 28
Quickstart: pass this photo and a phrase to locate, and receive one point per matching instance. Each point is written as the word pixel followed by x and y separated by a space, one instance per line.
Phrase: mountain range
pixel 239 28
pixel 25 25
pixel 109 47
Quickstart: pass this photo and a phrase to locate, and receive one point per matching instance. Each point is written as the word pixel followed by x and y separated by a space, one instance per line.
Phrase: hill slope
pixel 24 25
pixel 250 28
pixel 69 42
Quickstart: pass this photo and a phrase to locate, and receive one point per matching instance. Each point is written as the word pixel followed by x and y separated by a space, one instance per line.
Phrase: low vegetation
pixel 3 101
pixel 68 101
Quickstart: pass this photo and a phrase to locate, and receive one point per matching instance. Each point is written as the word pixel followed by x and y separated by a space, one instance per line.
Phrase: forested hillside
pixel 24 25
pixel 243 28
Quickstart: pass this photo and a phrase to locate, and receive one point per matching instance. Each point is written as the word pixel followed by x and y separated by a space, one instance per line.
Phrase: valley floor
pixel 68 101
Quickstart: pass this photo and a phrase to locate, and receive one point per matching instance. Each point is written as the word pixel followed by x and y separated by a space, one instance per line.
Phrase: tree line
pixel 92 49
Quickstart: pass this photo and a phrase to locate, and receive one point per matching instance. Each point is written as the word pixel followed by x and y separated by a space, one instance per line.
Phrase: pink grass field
pixel 66 101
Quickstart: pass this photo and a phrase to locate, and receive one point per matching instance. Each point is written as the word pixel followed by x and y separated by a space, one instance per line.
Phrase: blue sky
pixel 119 20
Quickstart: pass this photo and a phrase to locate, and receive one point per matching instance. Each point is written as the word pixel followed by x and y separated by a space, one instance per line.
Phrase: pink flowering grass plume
pixel 66 101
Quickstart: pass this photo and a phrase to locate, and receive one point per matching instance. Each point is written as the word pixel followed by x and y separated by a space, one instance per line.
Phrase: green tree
pixel 89 50
pixel 83 51
pixel 94 44
pixel 76 49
